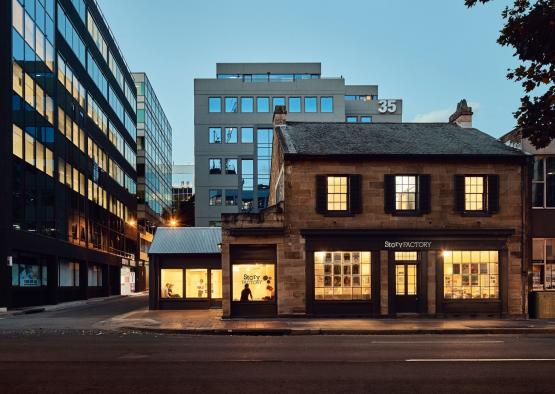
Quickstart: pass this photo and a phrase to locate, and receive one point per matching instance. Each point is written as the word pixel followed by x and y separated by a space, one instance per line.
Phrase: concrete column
pixel 384 278
pixel 433 256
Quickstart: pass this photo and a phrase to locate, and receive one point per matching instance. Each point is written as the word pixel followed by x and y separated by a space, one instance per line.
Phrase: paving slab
pixel 209 322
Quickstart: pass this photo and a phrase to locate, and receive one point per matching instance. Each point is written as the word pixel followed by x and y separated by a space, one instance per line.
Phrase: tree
pixel 530 30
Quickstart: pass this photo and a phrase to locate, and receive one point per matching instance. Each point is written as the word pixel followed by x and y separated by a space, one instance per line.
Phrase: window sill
pixel 338 214
pixel 406 213
pixel 476 214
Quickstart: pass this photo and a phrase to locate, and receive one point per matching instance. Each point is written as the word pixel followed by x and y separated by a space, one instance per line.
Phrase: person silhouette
pixel 246 293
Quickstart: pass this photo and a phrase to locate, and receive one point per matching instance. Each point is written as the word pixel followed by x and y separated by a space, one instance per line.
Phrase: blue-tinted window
pixel 215 166
pixel 231 197
pixel 231 166
pixel 294 104
pixel 365 119
pixel 215 197
pixel 259 78
pixel 247 135
pixel 215 135
pixel 326 104
pixel 262 104
pixel 247 104
pixel 278 101
pixel 281 77
pixel 310 104
pixel 18 47
pixel 214 104
pixel 231 135
pixel 351 119
pixel 231 104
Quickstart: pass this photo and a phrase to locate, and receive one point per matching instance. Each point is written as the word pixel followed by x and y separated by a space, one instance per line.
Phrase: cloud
pixel 441 115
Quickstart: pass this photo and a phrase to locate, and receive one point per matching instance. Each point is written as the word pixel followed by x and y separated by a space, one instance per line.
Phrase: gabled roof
pixel 186 240
pixel 319 139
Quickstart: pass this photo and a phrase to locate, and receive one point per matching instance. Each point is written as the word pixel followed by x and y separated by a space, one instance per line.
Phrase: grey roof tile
pixel 300 138
pixel 186 240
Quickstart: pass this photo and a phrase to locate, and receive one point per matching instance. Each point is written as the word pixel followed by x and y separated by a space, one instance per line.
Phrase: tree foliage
pixel 530 30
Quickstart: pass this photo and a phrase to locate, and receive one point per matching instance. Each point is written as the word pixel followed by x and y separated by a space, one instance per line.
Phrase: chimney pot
pixel 462 115
pixel 280 116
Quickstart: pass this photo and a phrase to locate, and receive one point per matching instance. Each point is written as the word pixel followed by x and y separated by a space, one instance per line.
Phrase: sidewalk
pixel 209 322
pixel 63 305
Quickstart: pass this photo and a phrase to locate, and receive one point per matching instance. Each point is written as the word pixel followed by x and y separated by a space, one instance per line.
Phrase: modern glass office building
pixel 154 170
pixel 68 150
pixel 233 126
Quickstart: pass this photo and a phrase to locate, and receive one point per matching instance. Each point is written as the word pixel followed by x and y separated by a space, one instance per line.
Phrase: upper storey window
pixel 214 104
pixel 543 183
pixel 477 194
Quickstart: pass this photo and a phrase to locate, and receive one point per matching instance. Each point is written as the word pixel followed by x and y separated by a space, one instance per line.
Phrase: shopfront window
pixel 216 284
pixel 171 283
pixel 342 275
pixel 29 275
pixel 471 274
pixel 94 276
pixel 196 283
pixel 253 282
pixel 543 264
pixel 68 274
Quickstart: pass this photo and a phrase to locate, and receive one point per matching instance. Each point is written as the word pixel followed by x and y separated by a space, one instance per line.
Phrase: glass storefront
pixel 171 283
pixel 216 283
pixel 253 282
pixel 29 275
pixel 196 283
pixel 543 264
pixel 471 274
pixel 342 276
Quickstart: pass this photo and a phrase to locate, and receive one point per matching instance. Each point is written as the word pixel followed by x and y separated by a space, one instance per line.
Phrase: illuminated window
pixel 61 170
pixel 39 162
pixel 253 282
pixel 405 193
pixel 470 274
pixel 17 16
pixel 196 283
pixel 216 284
pixel 474 193
pixel 171 283
pixel 49 157
pixel 337 193
pixel 543 264
pixel 29 149
pixel 29 90
pixel 17 144
pixel 342 275
pixel 17 79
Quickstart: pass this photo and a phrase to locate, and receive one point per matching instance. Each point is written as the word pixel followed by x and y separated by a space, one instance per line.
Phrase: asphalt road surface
pixel 148 363
pixel 57 352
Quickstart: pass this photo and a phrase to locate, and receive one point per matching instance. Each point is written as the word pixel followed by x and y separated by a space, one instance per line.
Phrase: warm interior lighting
pixel 446 253
pixel 132 222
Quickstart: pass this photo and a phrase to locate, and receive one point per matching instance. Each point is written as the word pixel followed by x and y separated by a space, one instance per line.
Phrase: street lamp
pixel 173 222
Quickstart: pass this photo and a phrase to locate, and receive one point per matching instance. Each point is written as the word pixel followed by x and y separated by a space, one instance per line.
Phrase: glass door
pixel 406 282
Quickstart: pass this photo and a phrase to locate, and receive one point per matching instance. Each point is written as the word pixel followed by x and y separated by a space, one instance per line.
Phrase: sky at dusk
pixel 430 53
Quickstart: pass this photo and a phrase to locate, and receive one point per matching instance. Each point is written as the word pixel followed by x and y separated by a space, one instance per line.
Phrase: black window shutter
pixel 355 193
pixel 389 193
pixel 493 193
pixel 459 193
pixel 424 191
pixel 321 195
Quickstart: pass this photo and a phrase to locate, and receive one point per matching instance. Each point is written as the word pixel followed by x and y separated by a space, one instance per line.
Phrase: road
pixel 60 360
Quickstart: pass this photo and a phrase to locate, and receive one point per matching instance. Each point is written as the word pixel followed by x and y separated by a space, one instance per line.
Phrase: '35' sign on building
pixel 387 106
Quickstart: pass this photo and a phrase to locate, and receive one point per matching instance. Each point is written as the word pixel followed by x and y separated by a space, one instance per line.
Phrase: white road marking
pixel 433 342
pixel 473 360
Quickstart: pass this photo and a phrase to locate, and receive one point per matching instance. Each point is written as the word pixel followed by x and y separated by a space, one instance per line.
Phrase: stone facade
pixel 296 213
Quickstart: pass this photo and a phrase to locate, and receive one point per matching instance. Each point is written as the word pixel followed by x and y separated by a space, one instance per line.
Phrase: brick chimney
pixel 463 115
pixel 280 116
